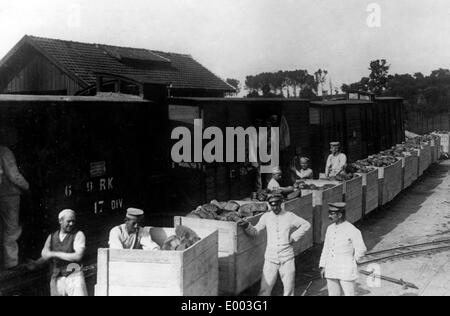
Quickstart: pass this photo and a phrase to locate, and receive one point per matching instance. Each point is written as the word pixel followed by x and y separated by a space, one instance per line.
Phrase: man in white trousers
pixel 343 248
pixel 279 257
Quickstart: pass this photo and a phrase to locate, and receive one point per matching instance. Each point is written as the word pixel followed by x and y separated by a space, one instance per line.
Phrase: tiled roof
pixel 83 60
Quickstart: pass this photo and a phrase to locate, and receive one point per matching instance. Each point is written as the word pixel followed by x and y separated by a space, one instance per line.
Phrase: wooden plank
pixel 353 197
pixel 320 212
pixel 195 272
pixel 102 272
pixel 370 191
pixel 130 291
pixel 249 266
pixel 390 181
pixel 410 165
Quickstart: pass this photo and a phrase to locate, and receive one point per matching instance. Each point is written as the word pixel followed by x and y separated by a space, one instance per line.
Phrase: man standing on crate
pixel 131 234
pixel 336 162
pixel 343 248
pixel 279 257
pixel 65 250
pixel 12 186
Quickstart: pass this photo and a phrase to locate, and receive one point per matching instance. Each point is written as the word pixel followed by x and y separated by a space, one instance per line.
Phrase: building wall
pixel 40 76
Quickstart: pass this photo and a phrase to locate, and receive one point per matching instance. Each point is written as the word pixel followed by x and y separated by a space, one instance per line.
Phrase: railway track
pixel 406 251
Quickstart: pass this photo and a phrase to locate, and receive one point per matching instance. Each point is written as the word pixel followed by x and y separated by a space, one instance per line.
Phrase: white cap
pixel 64 213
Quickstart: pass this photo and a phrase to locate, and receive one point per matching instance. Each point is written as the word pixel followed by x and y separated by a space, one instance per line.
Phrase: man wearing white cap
pixel 274 183
pixel 343 248
pixel 65 250
pixel 336 161
pixel 283 230
pixel 131 234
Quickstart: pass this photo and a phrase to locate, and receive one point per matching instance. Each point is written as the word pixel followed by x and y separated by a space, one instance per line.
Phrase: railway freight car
pixel 96 155
pixel 364 126
pixel 198 183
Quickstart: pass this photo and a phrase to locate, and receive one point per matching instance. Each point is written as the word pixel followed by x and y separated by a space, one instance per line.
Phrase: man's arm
pixel 12 172
pixel 358 244
pixel 254 231
pixel 342 163
pixel 47 254
pixel 302 226
pixel 114 239
pixel 325 251
pixel 147 242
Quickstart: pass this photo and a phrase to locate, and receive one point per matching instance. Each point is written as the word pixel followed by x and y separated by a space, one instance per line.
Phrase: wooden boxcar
pixel 197 183
pixel 96 155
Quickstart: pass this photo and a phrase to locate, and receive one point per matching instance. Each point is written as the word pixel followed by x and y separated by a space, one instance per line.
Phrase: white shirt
pixel 120 239
pixel 79 242
pixel 273 184
pixel 335 164
pixel 304 174
pixel 280 229
pixel 343 248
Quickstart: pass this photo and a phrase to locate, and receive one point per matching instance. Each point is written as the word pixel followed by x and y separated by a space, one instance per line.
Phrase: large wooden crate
pixel 321 198
pixel 410 169
pixel 193 272
pixel 241 257
pixel 390 182
pixel 353 197
pixel 370 189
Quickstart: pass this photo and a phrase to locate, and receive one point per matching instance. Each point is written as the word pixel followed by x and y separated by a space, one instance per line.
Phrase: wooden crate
pixel 390 182
pixel 320 205
pixel 241 257
pixel 410 166
pixel 193 272
pixel 370 189
pixel 353 197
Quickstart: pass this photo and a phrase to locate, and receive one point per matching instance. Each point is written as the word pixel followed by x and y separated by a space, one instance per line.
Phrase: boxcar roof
pixel 340 102
pixel 389 98
pixel 239 100
pixel 55 98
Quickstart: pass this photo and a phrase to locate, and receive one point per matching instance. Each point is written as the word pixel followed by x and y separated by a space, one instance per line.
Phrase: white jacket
pixel 343 248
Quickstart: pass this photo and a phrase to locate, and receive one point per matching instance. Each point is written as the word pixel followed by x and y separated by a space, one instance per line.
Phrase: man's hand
pixel 322 273
pixel 243 224
pixel 291 240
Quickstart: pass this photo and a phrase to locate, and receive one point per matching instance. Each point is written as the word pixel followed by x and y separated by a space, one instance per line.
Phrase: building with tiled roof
pixel 48 66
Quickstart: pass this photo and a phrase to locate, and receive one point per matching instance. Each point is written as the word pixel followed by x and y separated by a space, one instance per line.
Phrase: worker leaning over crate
pixel 65 250
pixel 343 248
pixel 305 172
pixel 279 257
pixel 274 183
pixel 336 161
pixel 131 234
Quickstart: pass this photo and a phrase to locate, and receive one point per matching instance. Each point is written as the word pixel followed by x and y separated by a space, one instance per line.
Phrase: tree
pixel 320 78
pixel 378 79
pixel 236 84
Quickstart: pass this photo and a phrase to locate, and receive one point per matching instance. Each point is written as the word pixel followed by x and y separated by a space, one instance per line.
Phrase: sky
pixel 237 38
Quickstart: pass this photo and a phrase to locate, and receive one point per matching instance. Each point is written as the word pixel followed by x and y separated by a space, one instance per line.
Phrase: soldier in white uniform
pixel 283 230
pixel 131 234
pixel 343 248
pixel 336 161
